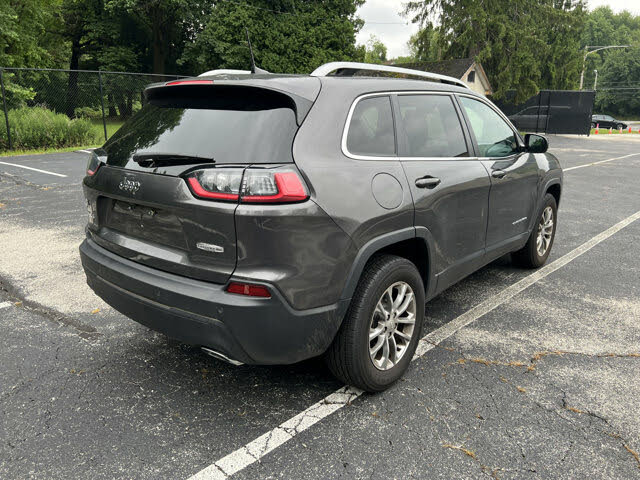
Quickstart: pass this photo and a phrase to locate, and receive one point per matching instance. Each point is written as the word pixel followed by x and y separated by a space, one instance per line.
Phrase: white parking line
pixel 261 446
pixel 601 161
pixel 5 305
pixel 34 169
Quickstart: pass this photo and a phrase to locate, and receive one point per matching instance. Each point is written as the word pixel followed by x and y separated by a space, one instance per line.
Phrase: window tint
pixel 371 128
pixel 229 127
pixel 494 136
pixel 431 126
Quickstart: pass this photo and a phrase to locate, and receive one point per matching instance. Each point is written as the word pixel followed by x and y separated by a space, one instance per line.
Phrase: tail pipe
pixel 220 356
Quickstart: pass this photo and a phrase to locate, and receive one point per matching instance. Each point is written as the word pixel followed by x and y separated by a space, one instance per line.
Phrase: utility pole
pixel 588 51
pixel 595 82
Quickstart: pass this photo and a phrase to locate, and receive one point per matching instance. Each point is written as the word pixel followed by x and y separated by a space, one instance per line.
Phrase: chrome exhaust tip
pixel 220 356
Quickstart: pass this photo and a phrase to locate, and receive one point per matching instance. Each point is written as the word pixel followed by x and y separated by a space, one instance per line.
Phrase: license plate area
pixel 158 225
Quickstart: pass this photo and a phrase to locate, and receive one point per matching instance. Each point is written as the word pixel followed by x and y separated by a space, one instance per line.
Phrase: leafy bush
pixel 37 127
pixel 88 112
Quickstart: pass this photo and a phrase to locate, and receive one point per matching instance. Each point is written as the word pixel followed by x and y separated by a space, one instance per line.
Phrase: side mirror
pixel 535 143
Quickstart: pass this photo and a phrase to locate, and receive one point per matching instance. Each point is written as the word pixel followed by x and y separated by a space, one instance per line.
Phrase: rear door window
pixel 431 126
pixel 371 130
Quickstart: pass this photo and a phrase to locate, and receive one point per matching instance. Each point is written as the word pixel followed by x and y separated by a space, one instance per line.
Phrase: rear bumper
pixel 247 329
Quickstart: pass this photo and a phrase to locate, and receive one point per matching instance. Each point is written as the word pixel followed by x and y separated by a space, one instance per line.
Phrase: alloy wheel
pixel 545 231
pixel 392 326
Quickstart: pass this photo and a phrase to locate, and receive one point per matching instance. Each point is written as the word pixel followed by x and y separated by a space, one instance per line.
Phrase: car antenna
pixel 254 69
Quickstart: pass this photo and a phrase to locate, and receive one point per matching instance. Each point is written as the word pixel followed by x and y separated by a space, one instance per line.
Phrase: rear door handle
pixel 498 174
pixel 427 182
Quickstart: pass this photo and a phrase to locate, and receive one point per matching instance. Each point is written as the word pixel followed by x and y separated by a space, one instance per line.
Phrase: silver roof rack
pixel 224 71
pixel 349 68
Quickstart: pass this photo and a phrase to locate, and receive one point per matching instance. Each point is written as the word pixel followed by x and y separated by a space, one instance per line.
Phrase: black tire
pixel 348 356
pixel 528 256
pixel 593 125
pixel 619 126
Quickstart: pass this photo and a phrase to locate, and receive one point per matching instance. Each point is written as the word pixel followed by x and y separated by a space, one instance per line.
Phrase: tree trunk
pixel 112 108
pixel 158 41
pixel 72 85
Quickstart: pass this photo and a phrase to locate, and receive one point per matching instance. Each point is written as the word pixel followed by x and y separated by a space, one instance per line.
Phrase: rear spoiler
pixel 228 94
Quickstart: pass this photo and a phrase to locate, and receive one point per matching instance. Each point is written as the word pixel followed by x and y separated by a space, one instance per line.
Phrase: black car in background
pixel 607 121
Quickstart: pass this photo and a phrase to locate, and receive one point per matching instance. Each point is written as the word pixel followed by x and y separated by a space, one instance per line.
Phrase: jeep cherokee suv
pixel 274 218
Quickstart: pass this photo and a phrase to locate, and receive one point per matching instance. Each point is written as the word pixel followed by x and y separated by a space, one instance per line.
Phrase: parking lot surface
pixel 523 374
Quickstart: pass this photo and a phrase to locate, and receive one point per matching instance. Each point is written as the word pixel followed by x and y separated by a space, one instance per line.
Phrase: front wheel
pixel 619 126
pixel 381 329
pixel 536 251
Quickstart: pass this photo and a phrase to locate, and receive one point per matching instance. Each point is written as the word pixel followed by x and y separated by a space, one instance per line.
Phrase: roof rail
pixel 350 68
pixel 224 71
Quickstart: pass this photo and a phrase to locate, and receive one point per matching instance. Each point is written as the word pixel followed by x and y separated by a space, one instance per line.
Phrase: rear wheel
pixel 381 330
pixel 593 125
pixel 536 251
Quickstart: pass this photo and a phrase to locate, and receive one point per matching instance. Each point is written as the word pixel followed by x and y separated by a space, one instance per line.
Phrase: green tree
pixel 620 79
pixel 425 45
pixel 519 42
pixel 287 36
pixel 603 27
pixel 167 23
pixel 376 51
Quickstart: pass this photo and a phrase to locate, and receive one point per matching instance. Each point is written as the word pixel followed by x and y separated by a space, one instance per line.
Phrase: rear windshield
pixel 227 127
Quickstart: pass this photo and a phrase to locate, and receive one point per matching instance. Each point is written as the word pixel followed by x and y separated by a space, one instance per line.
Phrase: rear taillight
pixel 93 164
pixel 256 185
pixel 248 289
pixel 216 183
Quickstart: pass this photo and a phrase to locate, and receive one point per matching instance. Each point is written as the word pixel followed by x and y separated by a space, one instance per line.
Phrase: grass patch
pixel 112 126
pixel 94 136
pixel 39 151
pixel 605 131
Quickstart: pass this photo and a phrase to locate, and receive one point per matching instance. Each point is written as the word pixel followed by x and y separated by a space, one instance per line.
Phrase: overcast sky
pixel 383 20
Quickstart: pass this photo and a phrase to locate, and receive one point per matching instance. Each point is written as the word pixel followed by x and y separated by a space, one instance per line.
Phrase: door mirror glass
pixel 535 143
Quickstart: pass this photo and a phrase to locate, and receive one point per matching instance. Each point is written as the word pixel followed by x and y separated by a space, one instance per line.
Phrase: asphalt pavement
pixel 523 374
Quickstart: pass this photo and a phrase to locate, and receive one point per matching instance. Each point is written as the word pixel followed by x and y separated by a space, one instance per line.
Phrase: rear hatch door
pixel 142 207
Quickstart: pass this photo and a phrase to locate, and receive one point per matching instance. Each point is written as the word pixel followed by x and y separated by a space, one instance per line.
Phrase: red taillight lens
pixel 250 290
pixel 93 164
pixel 190 82
pixel 251 185
pixel 263 186
pixel 216 184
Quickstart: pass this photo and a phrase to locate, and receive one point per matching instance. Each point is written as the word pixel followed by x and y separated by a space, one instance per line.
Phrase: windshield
pixel 227 134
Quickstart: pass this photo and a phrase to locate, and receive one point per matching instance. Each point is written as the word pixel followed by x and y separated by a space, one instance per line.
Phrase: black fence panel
pixel 52 108
pixel 552 111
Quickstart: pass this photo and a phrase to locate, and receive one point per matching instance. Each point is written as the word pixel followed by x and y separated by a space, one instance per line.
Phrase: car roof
pixel 307 86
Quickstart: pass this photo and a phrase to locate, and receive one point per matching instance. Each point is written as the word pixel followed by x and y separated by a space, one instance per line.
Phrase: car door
pixel 514 174
pixel 450 187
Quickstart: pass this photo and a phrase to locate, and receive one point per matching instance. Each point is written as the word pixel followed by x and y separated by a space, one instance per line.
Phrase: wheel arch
pixel 414 244
pixel 554 189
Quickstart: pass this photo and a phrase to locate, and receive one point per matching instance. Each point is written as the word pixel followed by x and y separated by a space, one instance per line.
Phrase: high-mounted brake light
pixel 248 289
pixel 190 82
pixel 251 185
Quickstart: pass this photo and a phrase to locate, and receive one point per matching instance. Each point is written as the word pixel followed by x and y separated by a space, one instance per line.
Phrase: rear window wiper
pixel 155 160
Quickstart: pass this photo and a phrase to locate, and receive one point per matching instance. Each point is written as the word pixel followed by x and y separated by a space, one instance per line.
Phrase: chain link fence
pixel 51 108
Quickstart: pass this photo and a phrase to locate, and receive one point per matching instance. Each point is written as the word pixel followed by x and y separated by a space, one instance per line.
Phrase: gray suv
pixel 273 218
